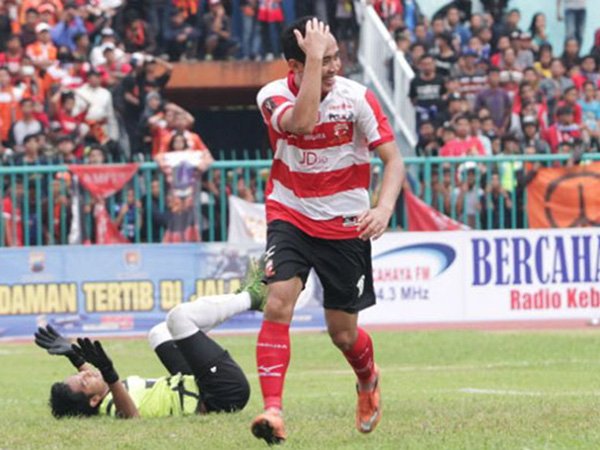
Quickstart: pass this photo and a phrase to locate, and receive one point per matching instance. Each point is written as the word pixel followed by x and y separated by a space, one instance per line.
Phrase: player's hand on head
pixel 315 40
pixel 373 223
pixel 93 353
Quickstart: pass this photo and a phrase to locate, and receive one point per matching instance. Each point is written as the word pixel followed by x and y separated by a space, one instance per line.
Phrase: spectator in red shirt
pixel 11 214
pixel 463 144
pixel 13 54
pixel 570 98
pixel 564 130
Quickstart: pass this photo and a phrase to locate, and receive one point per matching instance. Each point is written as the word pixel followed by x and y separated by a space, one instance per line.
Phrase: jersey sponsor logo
pixel 310 159
pixel 341 117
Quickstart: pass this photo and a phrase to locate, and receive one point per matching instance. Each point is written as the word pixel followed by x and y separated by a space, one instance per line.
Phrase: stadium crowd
pixel 84 82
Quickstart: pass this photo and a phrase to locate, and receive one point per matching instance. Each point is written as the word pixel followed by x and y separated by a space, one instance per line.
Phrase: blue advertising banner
pixel 122 289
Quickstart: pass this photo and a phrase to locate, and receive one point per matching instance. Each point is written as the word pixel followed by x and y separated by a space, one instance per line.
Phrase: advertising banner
pixel 418 277
pixel 532 274
pixel 501 275
pixel 122 289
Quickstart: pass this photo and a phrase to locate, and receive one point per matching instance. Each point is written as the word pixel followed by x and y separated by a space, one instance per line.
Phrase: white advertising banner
pixel 532 274
pixel 418 278
pixel 501 275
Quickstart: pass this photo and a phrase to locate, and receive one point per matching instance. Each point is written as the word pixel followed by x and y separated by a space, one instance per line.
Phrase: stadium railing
pixel 46 201
pixel 386 70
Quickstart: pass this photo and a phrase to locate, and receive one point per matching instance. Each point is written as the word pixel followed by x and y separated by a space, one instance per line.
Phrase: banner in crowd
pixel 500 275
pixel 181 169
pixel 101 182
pixel 561 197
pixel 122 289
pixel 423 217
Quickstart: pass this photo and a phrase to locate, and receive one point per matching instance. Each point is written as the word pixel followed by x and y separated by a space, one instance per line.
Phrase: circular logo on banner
pixel 569 204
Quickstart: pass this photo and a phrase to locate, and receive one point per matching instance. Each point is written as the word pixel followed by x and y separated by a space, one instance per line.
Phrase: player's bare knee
pixel 279 309
pixel 344 339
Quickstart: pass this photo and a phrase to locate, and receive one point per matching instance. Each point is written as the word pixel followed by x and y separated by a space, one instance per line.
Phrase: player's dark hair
pixel 66 403
pixel 291 49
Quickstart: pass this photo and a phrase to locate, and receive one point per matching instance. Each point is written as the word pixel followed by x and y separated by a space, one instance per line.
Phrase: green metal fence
pixel 43 197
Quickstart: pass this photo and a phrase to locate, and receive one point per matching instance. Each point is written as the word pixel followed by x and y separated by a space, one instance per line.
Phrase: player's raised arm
pixel 303 116
pixel 55 344
pixel 95 354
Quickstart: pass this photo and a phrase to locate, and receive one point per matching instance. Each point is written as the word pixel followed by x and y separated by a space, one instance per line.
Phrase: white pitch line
pixel 444 368
pixel 517 393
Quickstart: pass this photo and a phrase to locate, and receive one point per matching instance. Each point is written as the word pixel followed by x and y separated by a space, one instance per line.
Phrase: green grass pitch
pixel 441 390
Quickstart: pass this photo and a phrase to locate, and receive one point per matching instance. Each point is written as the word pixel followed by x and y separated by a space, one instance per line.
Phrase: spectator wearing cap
pixel 181 38
pixel 445 58
pixel 42 52
pixel 25 126
pixel 563 130
pixel 531 136
pixel 471 78
pixel 496 100
pixel 107 38
pixel 100 114
pixel 427 91
pixel 525 56
pixel 69 25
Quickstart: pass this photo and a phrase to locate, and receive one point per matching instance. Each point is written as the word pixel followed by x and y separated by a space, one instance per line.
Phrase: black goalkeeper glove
pixel 52 341
pixel 94 354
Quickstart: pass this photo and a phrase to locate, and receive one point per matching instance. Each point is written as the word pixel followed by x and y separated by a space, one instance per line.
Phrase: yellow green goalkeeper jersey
pixel 176 395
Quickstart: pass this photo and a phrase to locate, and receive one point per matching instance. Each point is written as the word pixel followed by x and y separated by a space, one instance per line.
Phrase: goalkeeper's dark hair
pixel 66 403
pixel 289 43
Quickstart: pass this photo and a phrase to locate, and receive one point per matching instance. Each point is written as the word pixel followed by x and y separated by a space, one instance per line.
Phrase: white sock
pixel 205 313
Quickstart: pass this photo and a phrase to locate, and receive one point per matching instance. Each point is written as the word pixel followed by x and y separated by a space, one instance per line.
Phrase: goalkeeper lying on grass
pixel 204 378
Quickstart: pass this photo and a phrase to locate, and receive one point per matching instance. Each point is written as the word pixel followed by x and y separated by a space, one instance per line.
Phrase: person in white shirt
pixel 101 113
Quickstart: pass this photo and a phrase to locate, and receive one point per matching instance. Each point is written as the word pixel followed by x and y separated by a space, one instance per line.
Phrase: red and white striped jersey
pixel 319 182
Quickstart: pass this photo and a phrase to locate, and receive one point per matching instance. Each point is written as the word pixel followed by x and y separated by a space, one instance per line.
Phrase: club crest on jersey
pixel 341 130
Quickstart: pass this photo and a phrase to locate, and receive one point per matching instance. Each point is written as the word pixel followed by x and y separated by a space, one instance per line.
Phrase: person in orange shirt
pixel 9 100
pixel 39 5
pixel 194 142
pixel 42 51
